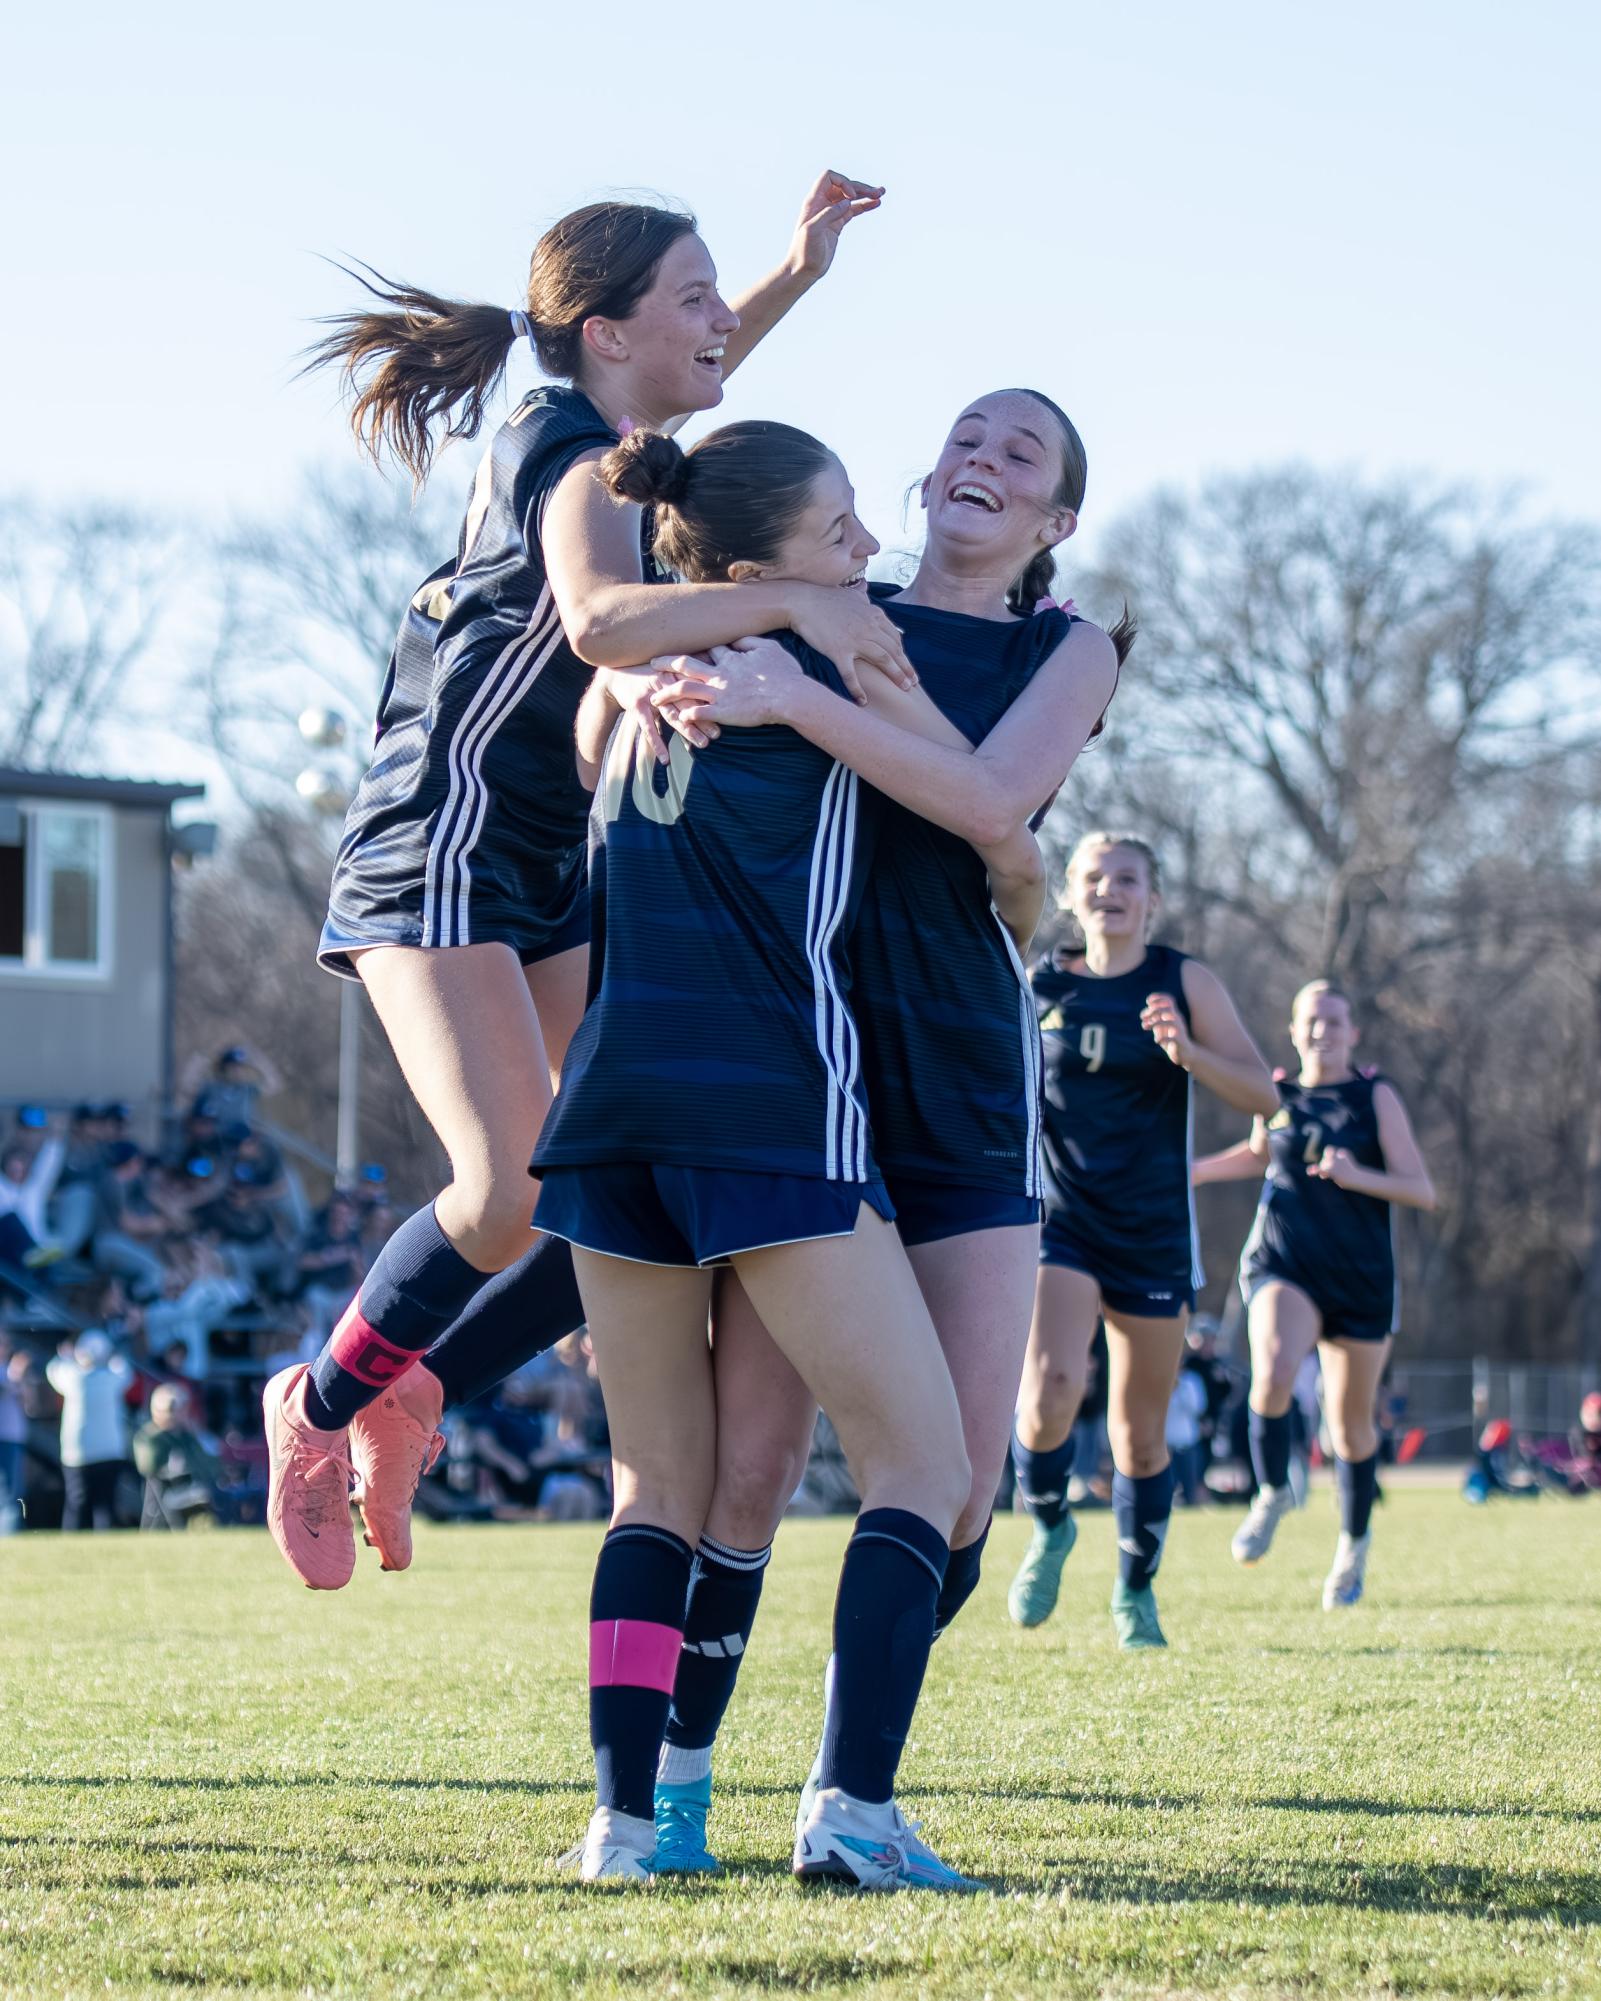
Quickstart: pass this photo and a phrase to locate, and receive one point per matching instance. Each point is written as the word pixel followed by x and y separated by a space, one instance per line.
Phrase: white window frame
pixel 35 962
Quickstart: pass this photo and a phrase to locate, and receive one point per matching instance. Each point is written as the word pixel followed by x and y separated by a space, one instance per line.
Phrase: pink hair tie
pixel 1049 604
pixel 625 427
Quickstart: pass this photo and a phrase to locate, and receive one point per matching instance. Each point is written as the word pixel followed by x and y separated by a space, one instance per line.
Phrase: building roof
pixel 153 793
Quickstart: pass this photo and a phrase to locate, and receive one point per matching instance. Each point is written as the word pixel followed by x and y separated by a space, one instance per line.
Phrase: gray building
pixel 86 867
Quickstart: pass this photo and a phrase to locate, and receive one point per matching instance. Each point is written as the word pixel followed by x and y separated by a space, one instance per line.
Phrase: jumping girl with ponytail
pixel 950 1050
pixel 458 893
pixel 1127 1026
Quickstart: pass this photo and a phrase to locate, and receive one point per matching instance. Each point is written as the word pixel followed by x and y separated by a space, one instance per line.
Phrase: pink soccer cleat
pixel 393 1442
pixel 308 1487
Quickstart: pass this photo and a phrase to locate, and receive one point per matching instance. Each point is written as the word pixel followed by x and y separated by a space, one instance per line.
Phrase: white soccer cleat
pixel 1254 1537
pixel 1343 1585
pixel 616 1847
pixel 865 1847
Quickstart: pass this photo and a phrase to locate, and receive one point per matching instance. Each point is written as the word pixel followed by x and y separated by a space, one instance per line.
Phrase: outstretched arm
pixel 1244 1161
pixel 983 795
pixel 834 201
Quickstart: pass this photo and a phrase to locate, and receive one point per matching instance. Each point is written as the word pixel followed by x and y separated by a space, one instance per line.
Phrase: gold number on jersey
pixel 1092 1045
pixel 1313 1151
pixel 628 753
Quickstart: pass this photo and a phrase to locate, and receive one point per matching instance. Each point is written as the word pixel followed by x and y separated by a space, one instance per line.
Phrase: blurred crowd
pixel 147 1291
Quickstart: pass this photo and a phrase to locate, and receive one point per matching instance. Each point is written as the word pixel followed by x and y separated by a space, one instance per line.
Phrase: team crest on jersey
pixel 1050 1021
pixel 1279 1120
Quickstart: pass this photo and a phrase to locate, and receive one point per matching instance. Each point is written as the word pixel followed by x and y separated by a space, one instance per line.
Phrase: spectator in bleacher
pixel 237 1079
pixel 243 1223
pixel 178 1468
pixel 90 1381
pixel 1209 1369
pixel 31 1128
pixel 198 1293
pixel 27 1180
pixel 333 1260
pixel 13 1435
pixel 77 1201
pixel 1185 1410
pixel 130 1226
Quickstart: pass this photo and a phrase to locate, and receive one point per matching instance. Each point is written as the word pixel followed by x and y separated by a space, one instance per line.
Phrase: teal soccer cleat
pixel 1032 1598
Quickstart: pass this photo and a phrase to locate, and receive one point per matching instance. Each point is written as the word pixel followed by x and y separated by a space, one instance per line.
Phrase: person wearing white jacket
pixel 90 1381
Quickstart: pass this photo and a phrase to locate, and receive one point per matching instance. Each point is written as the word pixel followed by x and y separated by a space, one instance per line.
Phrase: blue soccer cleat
pixel 1032 1598
pixel 681 1812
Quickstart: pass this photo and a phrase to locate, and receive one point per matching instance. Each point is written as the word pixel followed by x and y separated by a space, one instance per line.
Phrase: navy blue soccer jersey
pixel 1335 1244
pixel 1117 1119
pixel 468 826
pixel 718 1032
pixel 948 1033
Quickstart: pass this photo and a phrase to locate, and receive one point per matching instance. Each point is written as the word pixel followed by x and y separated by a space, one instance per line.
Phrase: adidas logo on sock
pixel 729 1647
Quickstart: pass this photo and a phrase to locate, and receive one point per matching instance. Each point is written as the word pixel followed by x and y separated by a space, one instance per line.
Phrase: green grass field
pixel 213 1780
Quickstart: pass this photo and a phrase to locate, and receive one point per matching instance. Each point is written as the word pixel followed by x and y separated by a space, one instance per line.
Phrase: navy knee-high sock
pixel 419 1282
pixel 510 1319
pixel 1270 1448
pixel 883 1628
pixel 961 1579
pixel 1042 1477
pixel 636 1627
pixel 1142 1508
pixel 1358 1482
pixel 725 1588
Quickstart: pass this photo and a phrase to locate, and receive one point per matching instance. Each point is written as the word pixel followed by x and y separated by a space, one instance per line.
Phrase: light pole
pixel 326 788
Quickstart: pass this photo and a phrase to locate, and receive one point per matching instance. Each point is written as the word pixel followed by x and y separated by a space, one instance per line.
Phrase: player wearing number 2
pixel 1126 1026
pixel 1319 1267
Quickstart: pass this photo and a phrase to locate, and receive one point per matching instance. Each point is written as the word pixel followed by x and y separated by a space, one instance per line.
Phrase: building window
pixel 55 868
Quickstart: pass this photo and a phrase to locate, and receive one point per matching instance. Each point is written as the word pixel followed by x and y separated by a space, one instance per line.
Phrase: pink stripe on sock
pixel 633 1653
pixel 362 1351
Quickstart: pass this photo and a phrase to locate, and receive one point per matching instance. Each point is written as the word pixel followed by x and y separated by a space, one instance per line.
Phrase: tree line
pixel 1361 725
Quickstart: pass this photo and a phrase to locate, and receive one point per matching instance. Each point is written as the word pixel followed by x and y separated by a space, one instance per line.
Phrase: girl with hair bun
pixel 712 1111
pixel 950 1049
pixel 1128 1025
pixel 458 894
pixel 1318 1270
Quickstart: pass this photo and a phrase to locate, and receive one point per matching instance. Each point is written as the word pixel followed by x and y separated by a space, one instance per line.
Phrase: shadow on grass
pixel 276 1781
pixel 1569 1899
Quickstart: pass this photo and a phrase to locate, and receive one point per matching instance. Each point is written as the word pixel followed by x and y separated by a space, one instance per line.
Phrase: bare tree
pixel 308 610
pixel 1362 722
pixel 85 595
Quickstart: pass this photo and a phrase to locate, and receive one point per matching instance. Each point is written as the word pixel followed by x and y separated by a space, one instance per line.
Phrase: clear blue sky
pixel 1219 235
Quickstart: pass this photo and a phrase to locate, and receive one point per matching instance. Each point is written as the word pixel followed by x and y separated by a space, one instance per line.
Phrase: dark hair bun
pixel 647 468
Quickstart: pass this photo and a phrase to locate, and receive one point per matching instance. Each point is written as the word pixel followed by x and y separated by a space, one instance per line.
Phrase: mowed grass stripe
pixel 213 1780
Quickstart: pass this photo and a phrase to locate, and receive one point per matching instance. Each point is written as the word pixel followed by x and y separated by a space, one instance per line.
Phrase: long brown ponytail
pixel 429 360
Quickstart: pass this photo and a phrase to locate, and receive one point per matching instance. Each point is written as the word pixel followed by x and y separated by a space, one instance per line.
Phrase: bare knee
pixel 753 1490
pixel 490 1222
pixel 1139 1445
pixel 1272 1388
pixel 1052 1395
pixel 1353 1438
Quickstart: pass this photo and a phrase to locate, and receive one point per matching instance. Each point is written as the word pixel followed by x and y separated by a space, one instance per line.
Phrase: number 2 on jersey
pixel 1092 1045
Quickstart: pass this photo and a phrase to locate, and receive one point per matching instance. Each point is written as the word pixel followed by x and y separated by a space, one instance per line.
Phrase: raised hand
pixel 834 201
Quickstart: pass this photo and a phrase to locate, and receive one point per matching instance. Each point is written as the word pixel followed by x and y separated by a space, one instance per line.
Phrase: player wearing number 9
pixel 1319 1267
pixel 1126 1026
